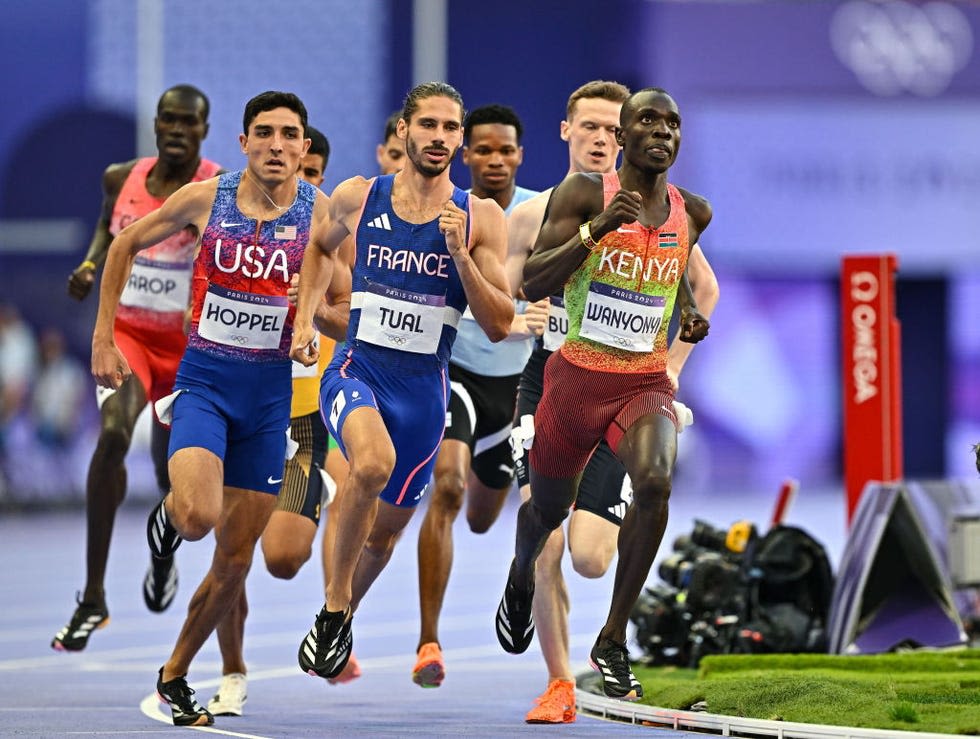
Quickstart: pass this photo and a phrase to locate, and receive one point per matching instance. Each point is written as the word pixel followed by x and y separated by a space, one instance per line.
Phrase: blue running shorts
pixel 412 406
pixel 237 410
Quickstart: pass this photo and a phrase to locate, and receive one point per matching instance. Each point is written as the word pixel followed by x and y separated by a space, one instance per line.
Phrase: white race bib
pixel 242 319
pixel 400 319
pixel 622 319
pixel 158 286
pixel 556 329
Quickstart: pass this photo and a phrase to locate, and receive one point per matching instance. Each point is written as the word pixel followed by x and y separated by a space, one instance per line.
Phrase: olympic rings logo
pixel 623 341
pixel 239 339
pixel 894 46
pixel 397 340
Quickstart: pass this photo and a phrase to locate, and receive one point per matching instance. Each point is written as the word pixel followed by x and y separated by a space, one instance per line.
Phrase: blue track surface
pixel 109 688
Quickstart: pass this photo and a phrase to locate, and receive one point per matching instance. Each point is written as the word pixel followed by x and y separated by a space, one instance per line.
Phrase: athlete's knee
pixel 551 514
pixel 231 564
pixel 371 475
pixel 447 495
pixel 114 440
pixel 285 565
pixel 194 525
pixel 651 487
pixel 480 523
pixel 192 519
pixel 594 562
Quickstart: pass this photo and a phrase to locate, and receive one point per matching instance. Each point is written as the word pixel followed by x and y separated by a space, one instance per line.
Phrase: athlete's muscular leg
pixel 105 486
pixel 483 504
pixel 160 454
pixel 372 459
pixel 194 504
pixel 648 450
pixel 231 636
pixel 435 547
pixel 243 517
pixel 287 542
pixel 591 542
pixel 551 604
pixel 537 517
pixel 339 470
pixel 389 523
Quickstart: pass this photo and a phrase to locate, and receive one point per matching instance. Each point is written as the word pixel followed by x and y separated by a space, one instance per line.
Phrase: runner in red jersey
pixel 619 244
pixel 149 330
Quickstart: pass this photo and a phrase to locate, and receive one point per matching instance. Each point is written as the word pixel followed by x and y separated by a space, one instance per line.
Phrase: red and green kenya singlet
pixel 620 299
pixel 241 275
pixel 155 296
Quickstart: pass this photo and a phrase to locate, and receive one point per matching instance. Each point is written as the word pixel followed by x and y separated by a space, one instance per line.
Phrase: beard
pixel 427 168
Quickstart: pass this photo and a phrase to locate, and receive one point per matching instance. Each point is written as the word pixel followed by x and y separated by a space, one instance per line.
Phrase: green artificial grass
pixel 911 691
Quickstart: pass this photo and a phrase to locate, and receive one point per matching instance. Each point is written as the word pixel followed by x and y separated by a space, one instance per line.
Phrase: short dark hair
pixel 502 114
pixel 318 144
pixel 270 100
pixel 391 125
pixel 430 90
pixel 187 91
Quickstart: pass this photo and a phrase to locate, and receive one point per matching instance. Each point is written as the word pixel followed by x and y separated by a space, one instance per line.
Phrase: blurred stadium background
pixel 815 128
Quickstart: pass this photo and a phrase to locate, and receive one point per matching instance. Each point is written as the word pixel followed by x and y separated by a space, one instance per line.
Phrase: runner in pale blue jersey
pixel 425 251
pixel 474 459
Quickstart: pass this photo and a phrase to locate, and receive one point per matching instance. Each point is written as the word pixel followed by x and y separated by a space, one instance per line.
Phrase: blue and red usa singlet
pixel 241 275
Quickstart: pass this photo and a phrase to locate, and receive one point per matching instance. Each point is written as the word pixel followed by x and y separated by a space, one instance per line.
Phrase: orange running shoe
pixel 556 705
pixel 351 671
pixel 429 670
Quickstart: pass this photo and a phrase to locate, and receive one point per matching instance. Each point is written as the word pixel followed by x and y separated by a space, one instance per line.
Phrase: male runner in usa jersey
pixel 230 410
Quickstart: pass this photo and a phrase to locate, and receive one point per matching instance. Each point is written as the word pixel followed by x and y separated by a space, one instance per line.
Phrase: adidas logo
pixel 618 510
pixel 380 222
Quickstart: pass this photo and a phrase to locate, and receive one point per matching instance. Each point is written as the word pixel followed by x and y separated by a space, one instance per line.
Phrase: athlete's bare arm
pixel 706 293
pixel 694 324
pixel 481 266
pixel 331 227
pixel 523 225
pixel 83 277
pixel 333 313
pixel 522 229
pixel 559 249
pixel 189 206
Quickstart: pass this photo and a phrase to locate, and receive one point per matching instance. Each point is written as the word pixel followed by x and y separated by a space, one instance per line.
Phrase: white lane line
pixel 150 707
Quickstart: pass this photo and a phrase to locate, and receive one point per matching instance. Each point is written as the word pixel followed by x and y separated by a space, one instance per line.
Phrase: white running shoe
pixel 231 696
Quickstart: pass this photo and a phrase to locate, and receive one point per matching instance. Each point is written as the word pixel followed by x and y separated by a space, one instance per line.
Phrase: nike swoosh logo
pixel 225 224
pixel 626 230
pixel 273 482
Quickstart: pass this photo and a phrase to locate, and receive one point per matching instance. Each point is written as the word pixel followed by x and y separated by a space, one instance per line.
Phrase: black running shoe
pixel 612 660
pixel 160 583
pixel 515 625
pixel 326 649
pixel 160 533
pixel 74 636
pixel 184 709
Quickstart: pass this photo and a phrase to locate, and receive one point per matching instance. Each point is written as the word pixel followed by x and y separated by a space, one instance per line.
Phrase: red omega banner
pixel 872 373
